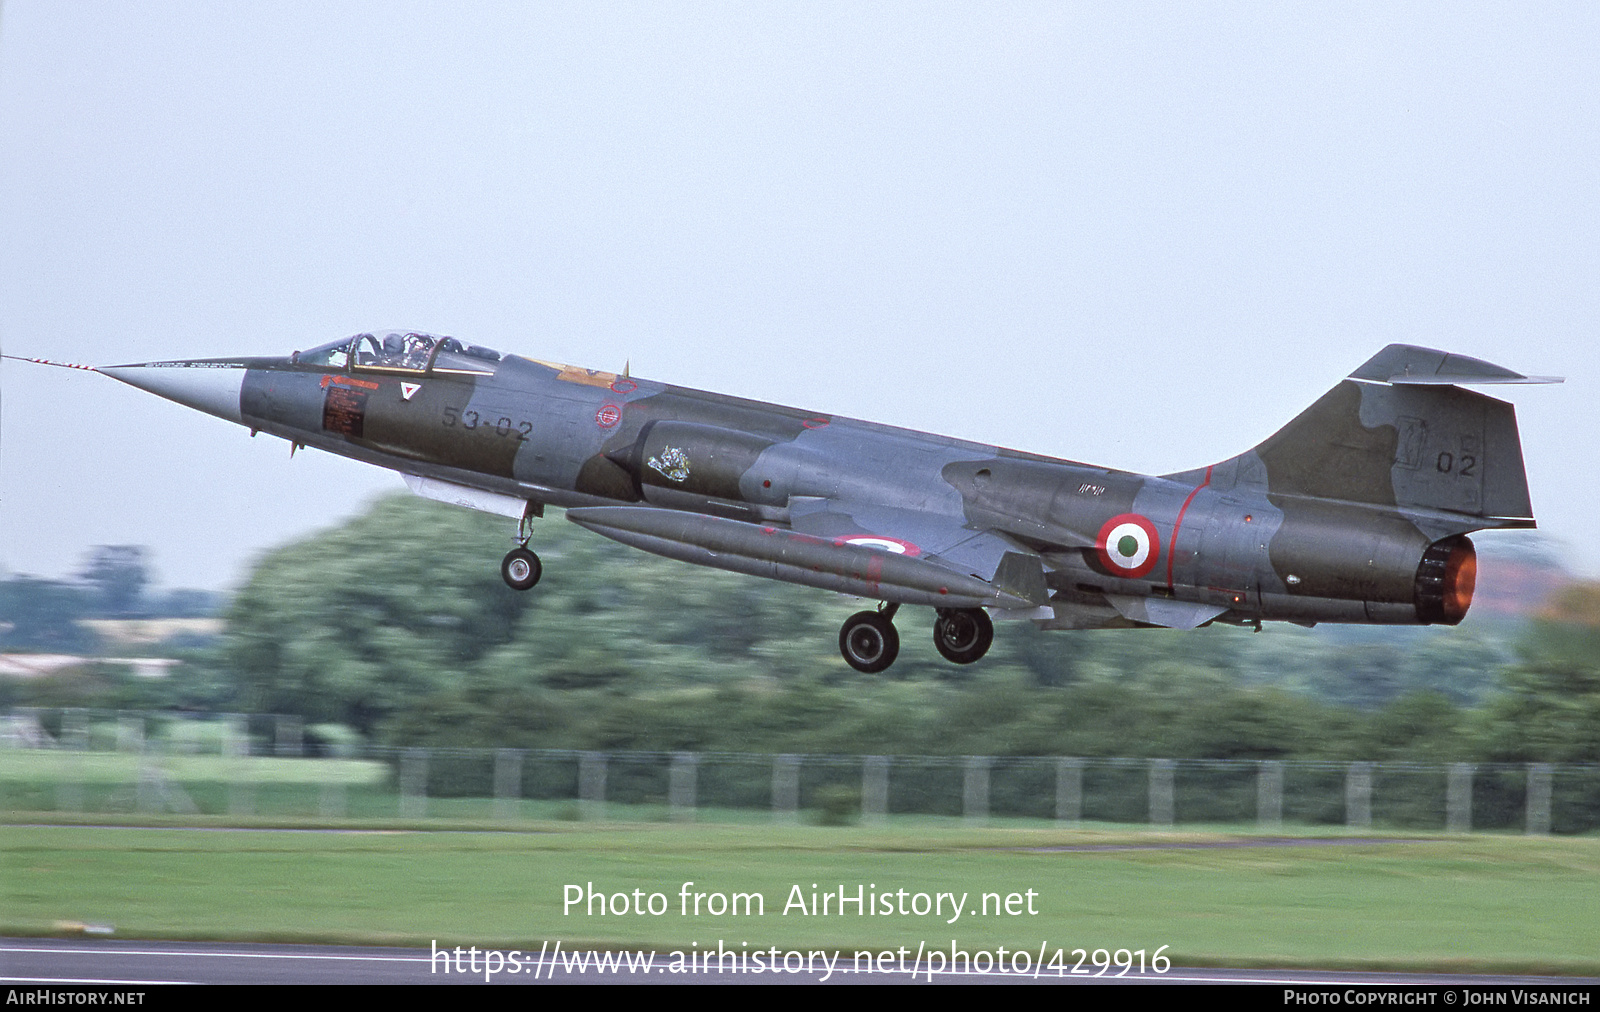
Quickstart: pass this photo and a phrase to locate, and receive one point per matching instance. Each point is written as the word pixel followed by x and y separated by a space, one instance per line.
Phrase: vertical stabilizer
pixel 1400 433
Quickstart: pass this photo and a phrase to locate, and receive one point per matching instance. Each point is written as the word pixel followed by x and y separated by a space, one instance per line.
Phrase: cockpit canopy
pixel 405 351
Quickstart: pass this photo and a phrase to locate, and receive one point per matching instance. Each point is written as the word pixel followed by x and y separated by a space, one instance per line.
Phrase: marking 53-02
pixel 502 426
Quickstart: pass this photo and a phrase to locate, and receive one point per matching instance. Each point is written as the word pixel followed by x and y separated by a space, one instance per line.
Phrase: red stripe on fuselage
pixel 1173 546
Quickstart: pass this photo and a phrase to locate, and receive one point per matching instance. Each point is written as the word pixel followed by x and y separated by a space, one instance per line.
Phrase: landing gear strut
pixel 869 641
pixel 962 635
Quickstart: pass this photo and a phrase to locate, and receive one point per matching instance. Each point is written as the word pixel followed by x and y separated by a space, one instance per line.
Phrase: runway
pixel 130 964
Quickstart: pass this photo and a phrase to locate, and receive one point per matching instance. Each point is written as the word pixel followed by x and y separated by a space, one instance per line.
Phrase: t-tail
pixel 1378 483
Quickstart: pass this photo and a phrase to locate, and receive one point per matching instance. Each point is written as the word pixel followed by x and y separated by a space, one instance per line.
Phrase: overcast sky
pixel 1140 235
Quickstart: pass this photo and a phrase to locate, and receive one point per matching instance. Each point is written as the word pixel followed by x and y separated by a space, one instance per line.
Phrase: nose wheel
pixel 521 569
pixel 869 641
pixel 962 635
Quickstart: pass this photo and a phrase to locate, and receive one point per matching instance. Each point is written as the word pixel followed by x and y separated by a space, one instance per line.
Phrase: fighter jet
pixel 1356 511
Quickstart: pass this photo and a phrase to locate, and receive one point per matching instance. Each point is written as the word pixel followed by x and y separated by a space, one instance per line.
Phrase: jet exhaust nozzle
pixel 1446 578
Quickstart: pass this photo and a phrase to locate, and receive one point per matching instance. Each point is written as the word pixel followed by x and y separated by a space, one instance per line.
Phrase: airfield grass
pixel 43 766
pixel 1476 902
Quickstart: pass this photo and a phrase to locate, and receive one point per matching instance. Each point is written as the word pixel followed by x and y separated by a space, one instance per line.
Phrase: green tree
pixel 40 614
pixel 353 624
pixel 118 575
pixel 1549 707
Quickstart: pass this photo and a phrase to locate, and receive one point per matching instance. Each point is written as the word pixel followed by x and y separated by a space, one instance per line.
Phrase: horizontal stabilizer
pixel 1408 364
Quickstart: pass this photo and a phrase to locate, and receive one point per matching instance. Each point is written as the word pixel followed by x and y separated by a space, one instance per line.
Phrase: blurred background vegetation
pixel 395 629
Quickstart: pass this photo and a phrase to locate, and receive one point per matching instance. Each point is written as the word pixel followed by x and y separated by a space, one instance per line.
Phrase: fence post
pixel 592 785
pixel 1269 794
pixel 235 746
pixel 74 736
pixel 1358 796
pixel 414 783
pixel 75 729
pixel 875 789
pixel 1161 792
pixel 507 782
pixel 1539 799
pixel 288 735
pixel 130 732
pixel 785 789
pixel 1069 791
pixel 131 738
pixel 236 736
pixel 25 725
pixel 975 790
pixel 681 786
pixel 1458 799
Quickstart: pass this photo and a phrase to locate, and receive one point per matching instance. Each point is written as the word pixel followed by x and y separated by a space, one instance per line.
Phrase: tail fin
pixel 1400 433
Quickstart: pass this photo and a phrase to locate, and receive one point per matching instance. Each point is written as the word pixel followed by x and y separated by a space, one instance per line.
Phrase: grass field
pixel 1479 902
pixel 48 767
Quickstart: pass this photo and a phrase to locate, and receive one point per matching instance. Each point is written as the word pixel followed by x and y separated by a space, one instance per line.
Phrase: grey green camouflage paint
pixel 1353 512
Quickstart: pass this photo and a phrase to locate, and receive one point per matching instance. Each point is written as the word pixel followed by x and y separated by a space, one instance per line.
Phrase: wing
pixel 870 552
pixel 941 540
pixel 990 556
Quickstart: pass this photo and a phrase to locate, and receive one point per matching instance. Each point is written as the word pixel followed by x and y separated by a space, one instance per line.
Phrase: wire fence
pixel 85 761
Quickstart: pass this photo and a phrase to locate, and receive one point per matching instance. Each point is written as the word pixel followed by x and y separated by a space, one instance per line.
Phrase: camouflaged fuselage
pixel 1353 512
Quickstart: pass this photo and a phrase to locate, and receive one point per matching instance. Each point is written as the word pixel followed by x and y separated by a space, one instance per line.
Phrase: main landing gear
pixel 521 568
pixel 870 643
pixel 868 640
pixel 962 635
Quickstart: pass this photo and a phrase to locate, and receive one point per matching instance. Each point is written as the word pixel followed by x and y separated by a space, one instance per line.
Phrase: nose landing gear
pixel 521 568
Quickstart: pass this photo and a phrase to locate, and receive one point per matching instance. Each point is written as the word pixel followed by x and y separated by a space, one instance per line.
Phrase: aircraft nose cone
pixel 205 386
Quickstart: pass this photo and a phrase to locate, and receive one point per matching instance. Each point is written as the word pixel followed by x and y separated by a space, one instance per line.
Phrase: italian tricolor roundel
pixel 1128 545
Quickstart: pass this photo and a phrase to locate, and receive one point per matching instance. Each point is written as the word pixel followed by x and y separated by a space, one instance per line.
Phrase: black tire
pixel 962 635
pixel 869 642
pixel 521 569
